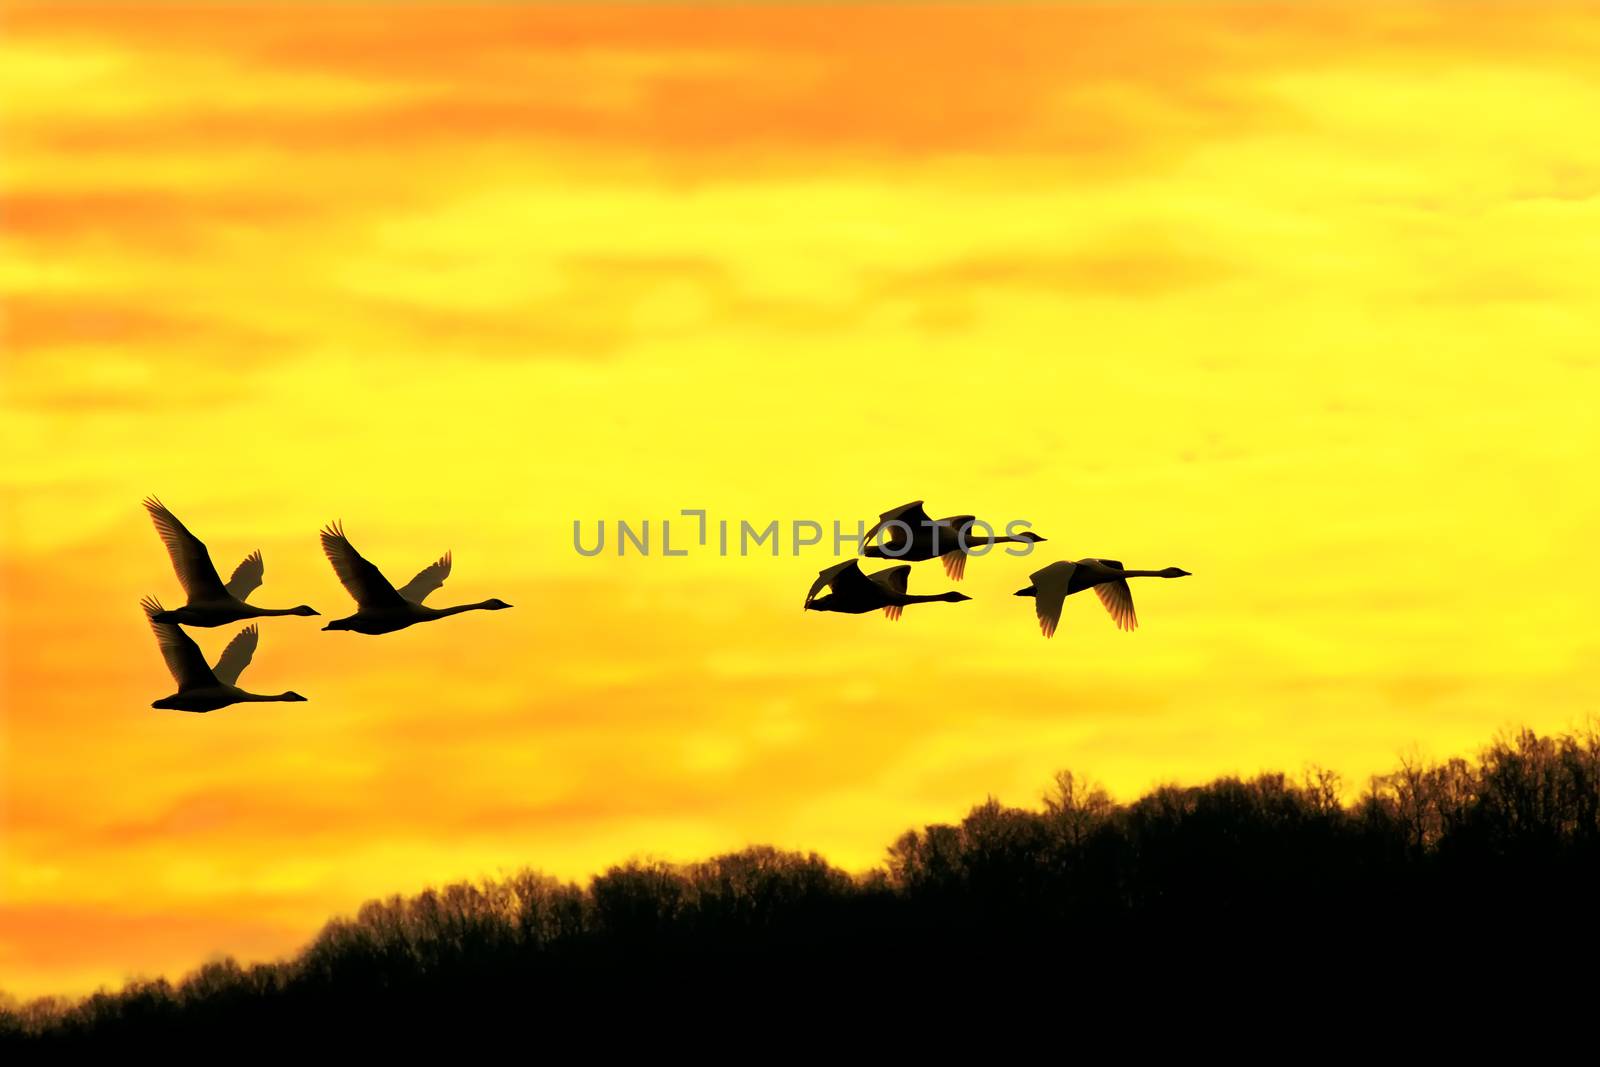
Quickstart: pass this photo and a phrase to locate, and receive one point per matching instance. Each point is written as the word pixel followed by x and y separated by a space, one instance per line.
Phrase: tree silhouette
pixel 1443 859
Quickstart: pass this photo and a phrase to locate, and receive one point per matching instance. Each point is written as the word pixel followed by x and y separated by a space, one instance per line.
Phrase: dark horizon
pixel 1269 859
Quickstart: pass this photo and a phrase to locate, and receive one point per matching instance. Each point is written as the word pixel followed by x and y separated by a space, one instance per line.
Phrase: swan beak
pixel 1023 592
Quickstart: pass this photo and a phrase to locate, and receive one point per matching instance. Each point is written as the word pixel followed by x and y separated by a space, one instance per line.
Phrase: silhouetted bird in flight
pixel 202 688
pixel 380 607
pixel 211 603
pixel 855 593
pixel 923 538
pixel 1052 585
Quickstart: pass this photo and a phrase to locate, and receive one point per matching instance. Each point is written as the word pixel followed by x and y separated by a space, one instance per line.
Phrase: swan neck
pixel 482 605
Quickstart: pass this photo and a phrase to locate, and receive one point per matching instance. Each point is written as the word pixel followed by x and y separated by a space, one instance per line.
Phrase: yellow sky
pixel 1299 298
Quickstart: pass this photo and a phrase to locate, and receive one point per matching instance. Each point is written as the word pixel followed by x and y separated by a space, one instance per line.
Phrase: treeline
pixel 1432 861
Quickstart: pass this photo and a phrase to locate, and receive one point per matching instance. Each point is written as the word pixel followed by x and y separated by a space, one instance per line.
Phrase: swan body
pixel 380 607
pixel 1107 577
pixel 853 592
pixel 200 687
pixel 211 602
pixel 910 535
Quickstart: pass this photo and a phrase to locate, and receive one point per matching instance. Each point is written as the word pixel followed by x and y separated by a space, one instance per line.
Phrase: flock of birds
pixel 380 609
pixel 908 534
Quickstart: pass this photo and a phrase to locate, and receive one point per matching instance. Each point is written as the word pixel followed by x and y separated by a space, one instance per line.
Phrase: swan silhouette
pixel 202 688
pixel 1052 585
pixel 211 603
pixel 380 607
pixel 853 592
pixel 923 538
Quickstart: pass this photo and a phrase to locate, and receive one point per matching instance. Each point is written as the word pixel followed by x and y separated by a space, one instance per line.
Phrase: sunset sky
pixel 1299 298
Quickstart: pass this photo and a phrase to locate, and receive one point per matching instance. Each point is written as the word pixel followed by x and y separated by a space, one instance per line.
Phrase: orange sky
pixel 1300 298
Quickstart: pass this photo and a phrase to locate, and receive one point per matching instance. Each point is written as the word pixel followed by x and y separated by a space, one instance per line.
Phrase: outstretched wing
pixel 183 656
pixel 189 556
pixel 1117 598
pixel 896 580
pixel 427 580
pixel 911 514
pixel 842 578
pixel 236 657
pixel 948 542
pixel 247 576
pixel 1050 587
pixel 364 582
